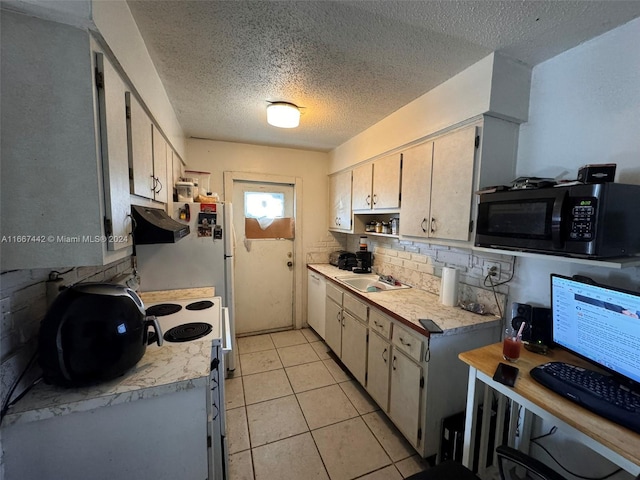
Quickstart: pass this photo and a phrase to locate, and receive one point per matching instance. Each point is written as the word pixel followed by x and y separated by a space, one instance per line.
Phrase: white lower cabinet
pixel 333 324
pixel 417 381
pixel 354 346
pixel 346 330
pixel 378 369
pixel 405 396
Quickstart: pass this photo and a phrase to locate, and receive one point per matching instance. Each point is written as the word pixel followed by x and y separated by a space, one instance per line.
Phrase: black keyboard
pixel 602 394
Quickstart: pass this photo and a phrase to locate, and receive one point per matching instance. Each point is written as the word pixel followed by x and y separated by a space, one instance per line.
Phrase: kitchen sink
pixel 368 283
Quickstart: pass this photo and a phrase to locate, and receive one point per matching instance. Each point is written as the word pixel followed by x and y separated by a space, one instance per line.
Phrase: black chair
pixel 512 464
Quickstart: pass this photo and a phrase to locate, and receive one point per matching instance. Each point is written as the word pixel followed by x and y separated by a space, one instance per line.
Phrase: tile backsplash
pixel 25 296
pixel 420 265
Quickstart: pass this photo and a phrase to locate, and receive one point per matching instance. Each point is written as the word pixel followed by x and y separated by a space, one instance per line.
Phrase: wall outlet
pixel 491 268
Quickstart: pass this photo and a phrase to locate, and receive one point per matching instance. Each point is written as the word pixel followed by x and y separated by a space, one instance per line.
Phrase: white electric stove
pixel 190 319
pixel 202 320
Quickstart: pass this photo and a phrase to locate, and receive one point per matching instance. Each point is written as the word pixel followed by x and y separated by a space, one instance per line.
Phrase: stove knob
pixel 214 364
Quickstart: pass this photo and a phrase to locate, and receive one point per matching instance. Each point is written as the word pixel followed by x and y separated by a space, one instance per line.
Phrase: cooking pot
pixel 92 333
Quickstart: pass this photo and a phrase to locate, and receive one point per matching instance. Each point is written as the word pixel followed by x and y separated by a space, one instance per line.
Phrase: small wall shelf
pixel 361 219
pixel 622 262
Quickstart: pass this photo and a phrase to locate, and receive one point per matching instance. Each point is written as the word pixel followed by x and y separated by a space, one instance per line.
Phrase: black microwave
pixel 588 221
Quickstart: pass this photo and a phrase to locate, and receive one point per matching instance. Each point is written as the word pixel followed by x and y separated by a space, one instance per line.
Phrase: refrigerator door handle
pixel 226 331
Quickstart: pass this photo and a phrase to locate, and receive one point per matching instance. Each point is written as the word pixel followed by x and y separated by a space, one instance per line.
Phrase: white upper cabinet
pixel 376 186
pixel 150 155
pixel 62 152
pixel 362 187
pixel 140 149
pixel 452 185
pixel 115 165
pixel 437 187
pixel 439 178
pixel 161 152
pixel 340 201
pixel 416 190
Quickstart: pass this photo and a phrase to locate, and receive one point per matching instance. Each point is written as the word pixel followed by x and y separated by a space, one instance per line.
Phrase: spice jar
pixel 394 226
pixel 379 227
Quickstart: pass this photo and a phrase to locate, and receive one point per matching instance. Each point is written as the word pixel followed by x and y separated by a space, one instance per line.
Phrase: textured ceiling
pixel 348 63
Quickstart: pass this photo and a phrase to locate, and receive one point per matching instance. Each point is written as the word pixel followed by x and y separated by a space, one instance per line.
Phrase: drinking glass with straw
pixel 512 344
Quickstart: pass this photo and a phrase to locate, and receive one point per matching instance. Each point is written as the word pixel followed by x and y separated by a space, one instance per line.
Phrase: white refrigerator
pixel 204 258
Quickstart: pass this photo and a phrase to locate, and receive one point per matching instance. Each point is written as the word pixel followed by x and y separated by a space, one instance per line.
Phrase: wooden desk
pixel 618 444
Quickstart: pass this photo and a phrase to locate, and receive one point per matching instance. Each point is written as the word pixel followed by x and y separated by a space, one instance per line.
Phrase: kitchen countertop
pixel 410 304
pixel 160 371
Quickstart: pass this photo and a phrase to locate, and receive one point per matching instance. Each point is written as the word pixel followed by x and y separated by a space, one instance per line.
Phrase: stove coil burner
pixel 163 309
pixel 187 332
pixel 201 305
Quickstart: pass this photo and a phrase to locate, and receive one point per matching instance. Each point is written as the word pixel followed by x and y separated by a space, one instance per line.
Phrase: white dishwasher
pixel 316 293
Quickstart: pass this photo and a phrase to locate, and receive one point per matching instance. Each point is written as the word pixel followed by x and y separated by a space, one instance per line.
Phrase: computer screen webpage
pixel 598 323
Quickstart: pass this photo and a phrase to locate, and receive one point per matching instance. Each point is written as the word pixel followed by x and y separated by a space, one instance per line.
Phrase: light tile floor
pixel 294 413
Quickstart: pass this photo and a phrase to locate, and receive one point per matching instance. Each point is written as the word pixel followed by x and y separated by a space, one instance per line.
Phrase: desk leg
pixel 470 421
pixel 525 434
pixel 500 414
pixel 485 431
pixel 514 419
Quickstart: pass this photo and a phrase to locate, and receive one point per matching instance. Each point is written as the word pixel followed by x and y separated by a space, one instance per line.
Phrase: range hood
pixel 153 225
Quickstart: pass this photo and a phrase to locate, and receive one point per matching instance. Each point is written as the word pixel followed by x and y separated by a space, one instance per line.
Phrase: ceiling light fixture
pixel 283 115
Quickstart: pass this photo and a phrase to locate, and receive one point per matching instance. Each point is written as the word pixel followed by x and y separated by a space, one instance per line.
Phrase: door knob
pixel 289 264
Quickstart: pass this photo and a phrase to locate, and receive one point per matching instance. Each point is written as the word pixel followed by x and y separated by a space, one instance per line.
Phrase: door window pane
pixel 263 204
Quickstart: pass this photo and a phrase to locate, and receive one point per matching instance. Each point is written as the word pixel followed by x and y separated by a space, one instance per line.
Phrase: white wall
pixel 71 12
pixel 312 167
pixel 495 85
pixel 584 108
pixel 115 23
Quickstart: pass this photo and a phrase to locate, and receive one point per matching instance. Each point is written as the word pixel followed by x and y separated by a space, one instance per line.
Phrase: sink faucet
pixel 388 279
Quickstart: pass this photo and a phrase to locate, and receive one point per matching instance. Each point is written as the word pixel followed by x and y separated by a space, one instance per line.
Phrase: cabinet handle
pixel 159 183
pixel 393 364
pixel 383 357
pixel 379 325
pixel 368 200
pixel 338 317
pixel 337 221
pixel 433 224
pixel 343 323
pixel 422 225
pixel 155 180
pixel 406 344
pixel 375 199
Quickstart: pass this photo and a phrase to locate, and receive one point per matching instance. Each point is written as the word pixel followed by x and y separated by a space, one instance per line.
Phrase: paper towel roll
pixel 449 286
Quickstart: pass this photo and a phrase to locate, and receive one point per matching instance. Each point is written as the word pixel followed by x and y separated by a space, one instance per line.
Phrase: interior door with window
pixel 265 230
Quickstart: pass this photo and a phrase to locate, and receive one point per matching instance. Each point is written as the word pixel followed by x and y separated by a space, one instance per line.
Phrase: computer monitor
pixel 598 323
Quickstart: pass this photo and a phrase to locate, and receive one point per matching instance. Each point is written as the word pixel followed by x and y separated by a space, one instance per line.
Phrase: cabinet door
pixel 386 182
pixel 452 185
pixel 333 326
pixel 362 182
pixel 340 201
pixel 404 398
pixel 354 346
pixel 140 141
pixel 115 158
pixel 416 190
pixel 316 297
pixel 378 370
pixel 160 148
